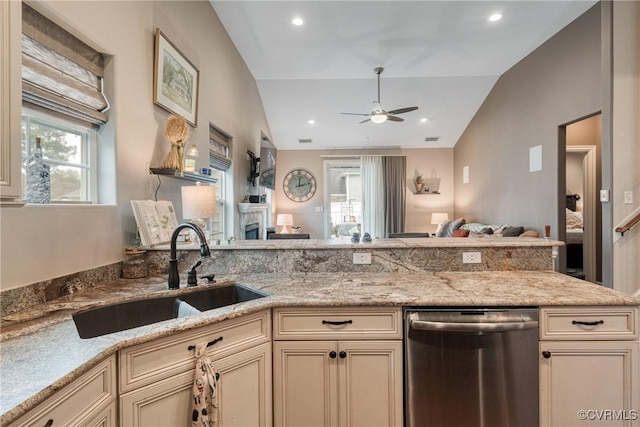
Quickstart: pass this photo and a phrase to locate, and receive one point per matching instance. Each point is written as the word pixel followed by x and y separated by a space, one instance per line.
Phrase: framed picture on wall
pixel 175 80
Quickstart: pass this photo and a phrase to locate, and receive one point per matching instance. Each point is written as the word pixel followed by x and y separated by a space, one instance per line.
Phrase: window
pixel 70 151
pixel 217 222
pixel 220 144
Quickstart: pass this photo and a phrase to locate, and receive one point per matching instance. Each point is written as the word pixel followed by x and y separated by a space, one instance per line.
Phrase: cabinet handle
pixel 337 323
pixel 546 354
pixel 209 344
pixel 49 423
pixel 332 355
pixel 343 354
pixel 595 323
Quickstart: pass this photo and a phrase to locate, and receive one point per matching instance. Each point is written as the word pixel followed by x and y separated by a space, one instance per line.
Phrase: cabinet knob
pixel 332 355
pixel 343 354
pixel 49 423
pixel 546 354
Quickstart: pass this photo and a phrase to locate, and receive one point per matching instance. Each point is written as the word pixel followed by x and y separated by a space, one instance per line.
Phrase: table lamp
pixel 198 204
pixel 284 220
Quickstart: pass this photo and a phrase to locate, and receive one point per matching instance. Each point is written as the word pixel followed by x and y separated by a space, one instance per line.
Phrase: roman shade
pixel 219 149
pixel 61 75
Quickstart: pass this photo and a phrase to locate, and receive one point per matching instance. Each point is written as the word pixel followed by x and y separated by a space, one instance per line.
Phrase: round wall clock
pixel 299 185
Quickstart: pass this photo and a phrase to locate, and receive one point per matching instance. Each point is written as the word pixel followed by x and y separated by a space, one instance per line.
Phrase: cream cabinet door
pixel 305 383
pixel 338 383
pixel 244 399
pixel 589 383
pixel 370 390
pixel 245 388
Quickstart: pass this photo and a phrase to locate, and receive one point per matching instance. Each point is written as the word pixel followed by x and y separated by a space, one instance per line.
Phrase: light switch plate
pixel 604 196
pixel 628 197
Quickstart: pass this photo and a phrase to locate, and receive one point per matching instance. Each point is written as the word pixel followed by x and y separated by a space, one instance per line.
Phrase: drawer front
pixel 165 357
pixel 77 402
pixel 589 323
pixel 320 323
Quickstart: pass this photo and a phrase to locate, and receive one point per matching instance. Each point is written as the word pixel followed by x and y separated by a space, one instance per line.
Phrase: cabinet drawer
pixel 78 403
pixel 589 323
pixel 147 363
pixel 337 323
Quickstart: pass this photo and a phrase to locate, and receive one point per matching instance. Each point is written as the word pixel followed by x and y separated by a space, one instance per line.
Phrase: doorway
pixel 580 213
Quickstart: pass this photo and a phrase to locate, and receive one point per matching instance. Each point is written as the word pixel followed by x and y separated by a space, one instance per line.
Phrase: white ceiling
pixel 441 56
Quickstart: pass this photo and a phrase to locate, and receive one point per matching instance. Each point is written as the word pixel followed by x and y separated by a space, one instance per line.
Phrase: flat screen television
pixel 268 156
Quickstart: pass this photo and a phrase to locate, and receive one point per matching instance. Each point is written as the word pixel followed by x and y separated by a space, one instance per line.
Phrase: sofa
pixel 461 228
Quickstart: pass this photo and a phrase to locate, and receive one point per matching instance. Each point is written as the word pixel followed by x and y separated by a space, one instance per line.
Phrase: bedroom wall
pixel 43 242
pixel 556 84
pixel 575 177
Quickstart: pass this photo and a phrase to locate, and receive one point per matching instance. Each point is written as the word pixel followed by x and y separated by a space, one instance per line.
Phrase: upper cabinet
pixel 10 95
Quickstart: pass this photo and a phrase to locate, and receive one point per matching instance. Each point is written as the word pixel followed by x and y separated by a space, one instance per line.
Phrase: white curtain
pixel 373 198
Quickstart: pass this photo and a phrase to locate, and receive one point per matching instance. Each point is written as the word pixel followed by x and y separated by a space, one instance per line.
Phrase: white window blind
pixel 61 75
pixel 219 149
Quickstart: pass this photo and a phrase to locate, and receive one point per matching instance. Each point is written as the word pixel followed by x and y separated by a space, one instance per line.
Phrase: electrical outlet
pixel 361 258
pixel 471 258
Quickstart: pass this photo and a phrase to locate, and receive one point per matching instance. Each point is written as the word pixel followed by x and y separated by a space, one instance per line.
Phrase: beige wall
pixel 626 142
pixel 556 84
pixel 419 207
pixel 42 242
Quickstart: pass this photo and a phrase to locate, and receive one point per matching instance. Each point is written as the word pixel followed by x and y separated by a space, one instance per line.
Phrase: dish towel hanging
pixel 205 396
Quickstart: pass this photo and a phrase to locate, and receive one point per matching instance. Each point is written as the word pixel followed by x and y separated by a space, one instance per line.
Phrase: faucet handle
pixel 209 278
pixel 191 274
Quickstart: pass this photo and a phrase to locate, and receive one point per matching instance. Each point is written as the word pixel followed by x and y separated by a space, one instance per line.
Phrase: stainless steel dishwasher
pixel 471 367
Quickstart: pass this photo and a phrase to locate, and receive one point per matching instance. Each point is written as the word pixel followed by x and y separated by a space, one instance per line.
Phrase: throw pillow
pixel 460 233
pixel 530 233
pixel 512 231
pixel 447 227
pixel 487 230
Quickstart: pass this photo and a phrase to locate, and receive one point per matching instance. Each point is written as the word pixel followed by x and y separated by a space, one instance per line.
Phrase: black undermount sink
pixel 105 320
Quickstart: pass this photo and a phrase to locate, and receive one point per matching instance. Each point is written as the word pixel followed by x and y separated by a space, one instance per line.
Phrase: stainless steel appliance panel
pixel 471 367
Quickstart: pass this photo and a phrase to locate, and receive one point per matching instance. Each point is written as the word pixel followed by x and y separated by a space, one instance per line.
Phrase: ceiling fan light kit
pixel 378 114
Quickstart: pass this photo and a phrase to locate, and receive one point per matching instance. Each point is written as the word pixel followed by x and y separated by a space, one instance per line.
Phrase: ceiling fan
pixel 378 115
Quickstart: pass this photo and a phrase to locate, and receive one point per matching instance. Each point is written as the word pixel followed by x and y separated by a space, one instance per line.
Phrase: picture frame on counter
pixel 175 80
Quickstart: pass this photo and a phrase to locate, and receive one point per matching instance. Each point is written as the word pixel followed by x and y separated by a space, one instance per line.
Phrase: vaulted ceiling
pixel 441 56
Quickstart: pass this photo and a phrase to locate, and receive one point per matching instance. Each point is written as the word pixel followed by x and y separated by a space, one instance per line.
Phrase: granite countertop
pixel 414 242
pixel 40 350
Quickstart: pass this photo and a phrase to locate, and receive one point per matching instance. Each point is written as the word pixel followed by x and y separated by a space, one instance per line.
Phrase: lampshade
pixel 284 220
pixel 439 218
pixel 193 151
pixel 198 201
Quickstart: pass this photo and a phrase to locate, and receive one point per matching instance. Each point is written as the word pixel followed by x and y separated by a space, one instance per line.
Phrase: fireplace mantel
pixel 252 207
pixel 253 212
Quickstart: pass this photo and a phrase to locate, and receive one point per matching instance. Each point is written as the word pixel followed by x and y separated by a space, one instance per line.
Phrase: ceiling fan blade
pixel 356 114
pixel 364 121
pixel 403 110
pixel 395 119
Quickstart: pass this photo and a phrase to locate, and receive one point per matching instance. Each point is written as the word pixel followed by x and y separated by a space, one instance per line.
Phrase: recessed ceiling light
pixel 495 17
pixel 297 21
pixel 423 120
pixel 311 122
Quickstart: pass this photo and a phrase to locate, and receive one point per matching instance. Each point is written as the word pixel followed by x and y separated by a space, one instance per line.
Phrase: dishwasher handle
pixel 427 325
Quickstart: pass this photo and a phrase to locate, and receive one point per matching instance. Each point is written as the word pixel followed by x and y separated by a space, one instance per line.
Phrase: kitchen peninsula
pixel 41 351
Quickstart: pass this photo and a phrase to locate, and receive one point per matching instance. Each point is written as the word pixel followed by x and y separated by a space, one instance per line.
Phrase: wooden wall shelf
pixel 173 173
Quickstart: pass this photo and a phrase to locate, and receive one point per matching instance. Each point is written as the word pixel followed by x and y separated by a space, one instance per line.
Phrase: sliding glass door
pixel 343 198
